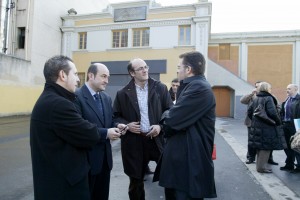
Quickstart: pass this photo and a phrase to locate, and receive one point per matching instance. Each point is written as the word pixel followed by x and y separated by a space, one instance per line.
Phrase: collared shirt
pixel 287 113
pixel 142 96
pixel 91 90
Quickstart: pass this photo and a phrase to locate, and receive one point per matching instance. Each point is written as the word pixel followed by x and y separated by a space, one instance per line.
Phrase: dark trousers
pixel 150 152
pixel 172 194
pixel 99 183
pixel 289 131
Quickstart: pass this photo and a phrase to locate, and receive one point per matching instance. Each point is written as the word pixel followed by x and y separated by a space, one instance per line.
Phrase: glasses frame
pixel 146 67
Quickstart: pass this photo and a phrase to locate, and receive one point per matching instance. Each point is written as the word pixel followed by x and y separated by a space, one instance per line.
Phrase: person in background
pixel 263 135
pixel 140 105
pixel 247 100
pixel 89 97
pixel 59 137
pixel 173 89
pixel 290 110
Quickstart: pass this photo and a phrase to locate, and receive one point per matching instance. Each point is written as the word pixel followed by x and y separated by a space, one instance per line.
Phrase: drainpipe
pixel 6 24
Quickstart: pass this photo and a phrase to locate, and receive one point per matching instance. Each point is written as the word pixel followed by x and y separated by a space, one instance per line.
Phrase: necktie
pixel 99 104
pixel 288 109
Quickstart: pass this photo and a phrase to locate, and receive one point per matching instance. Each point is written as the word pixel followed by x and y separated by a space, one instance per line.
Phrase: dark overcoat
pixel 126 110
pixel 186 163
pixel 59 140
pixel 262 135
pixel 88 109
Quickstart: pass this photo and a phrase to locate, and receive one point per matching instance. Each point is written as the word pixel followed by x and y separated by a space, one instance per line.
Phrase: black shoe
pixel 271 162
pixel 287 168
pixel 295 171
pixel 249 161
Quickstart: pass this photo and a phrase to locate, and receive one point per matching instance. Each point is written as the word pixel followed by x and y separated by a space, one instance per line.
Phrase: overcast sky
pixel 248 15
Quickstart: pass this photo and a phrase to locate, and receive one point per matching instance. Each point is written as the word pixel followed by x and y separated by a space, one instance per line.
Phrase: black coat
pixel 59 140
pixel 126 110
pixel 88 109
pixel 186 163
pixel 263 135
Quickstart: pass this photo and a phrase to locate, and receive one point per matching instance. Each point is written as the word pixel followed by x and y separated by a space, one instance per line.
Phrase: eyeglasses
pixel 142 68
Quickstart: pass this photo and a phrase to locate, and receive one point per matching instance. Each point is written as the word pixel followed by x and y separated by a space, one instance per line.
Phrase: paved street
pixel 234 179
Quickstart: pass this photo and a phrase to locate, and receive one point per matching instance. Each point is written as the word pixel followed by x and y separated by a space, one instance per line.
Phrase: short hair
pixel 264 87
pixel 175 80
pixel 92 69
pixel 129 67
pixel 195 60
pixel 54 65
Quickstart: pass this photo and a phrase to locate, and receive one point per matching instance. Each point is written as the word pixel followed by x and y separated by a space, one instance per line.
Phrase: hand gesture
pixel 113 133
pixel 134 127
pixel 155 130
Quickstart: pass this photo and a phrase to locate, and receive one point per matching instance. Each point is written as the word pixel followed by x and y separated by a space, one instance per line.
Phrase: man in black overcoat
pixel 140 105
pixel 187 169
pixel 100 157
pixel 60 137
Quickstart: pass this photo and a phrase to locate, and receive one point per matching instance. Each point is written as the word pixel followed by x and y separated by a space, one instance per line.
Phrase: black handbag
pixel 260 112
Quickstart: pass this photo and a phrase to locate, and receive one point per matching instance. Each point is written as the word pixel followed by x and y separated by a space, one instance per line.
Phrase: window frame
pixel 82 40
pixel 141 36
pixel 123 35
pixel 184 41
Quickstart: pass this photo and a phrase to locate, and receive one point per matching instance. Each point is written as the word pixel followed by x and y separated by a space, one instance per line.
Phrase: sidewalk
pixel 279 184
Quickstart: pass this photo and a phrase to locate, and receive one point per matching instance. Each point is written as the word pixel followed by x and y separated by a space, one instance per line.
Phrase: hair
pixel 129 67
pixel 195 60
pixel 92 69
pixel 295 86
pixel 54 65
pixel 264 87
pixel 175 80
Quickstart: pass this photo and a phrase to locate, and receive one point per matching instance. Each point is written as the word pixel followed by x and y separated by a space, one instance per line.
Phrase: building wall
pixel 266 56
pixel 271 63
pixel 21 74
pixel 163 23
pixel 83 60
pixel 232 64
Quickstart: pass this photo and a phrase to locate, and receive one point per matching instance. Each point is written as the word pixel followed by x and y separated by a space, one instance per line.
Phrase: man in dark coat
pixel 289 112
pixel 173 89
pixel 140 105
pixel 60 137
pixel 100 157
pixel 187 169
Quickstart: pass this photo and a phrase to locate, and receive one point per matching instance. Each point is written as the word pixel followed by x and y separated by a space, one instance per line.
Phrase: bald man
pixel 140 105
pixel 290 110
pixel 96 106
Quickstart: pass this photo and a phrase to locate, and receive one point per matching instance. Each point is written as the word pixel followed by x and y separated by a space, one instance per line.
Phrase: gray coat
pixel 186 162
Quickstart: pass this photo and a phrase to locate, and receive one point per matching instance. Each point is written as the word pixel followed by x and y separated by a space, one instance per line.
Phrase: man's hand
pixel 113 133
pixel 155 130
pixel 123 128
pixel 134 127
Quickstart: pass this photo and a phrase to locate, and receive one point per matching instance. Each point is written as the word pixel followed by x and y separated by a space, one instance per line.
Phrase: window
pixel 21 37
pixel 81 76
pixel 82 40
pixel 185 35
pixel 224 51
pixel 141 37
pixel 120 38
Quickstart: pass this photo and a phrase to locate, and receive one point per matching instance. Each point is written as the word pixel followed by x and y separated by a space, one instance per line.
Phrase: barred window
pixel 141 37
pixel 185 35
pixel 120 38
pixel 82 40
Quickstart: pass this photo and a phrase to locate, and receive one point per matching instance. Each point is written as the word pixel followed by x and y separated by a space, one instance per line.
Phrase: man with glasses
pixel 140 105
